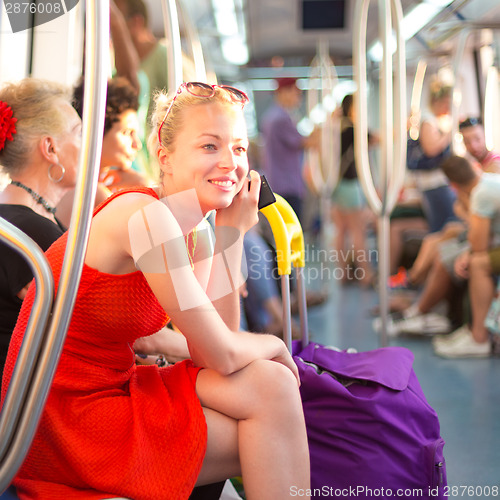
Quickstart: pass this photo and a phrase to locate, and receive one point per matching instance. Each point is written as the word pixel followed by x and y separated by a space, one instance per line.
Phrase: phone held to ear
pixel 266 195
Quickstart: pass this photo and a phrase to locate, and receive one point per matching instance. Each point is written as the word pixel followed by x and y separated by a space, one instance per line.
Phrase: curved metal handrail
pixel 173 36
pixel 393 130
pixel 35 329
pixel 97 36
pixel 416 99
pixel 491 105
pixel 456 100
pixel 325 165
pixel 194 43
pixel 489 109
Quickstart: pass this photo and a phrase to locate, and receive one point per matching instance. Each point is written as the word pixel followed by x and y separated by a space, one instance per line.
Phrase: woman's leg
pixel 437 287
pixel 340 240
pixel 481 293
pixel 262 422
pixel 425 258
pixel 356 226
pixel 398 228
pixel 430 250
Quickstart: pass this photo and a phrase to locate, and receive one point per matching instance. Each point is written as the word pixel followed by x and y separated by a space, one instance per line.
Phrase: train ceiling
pixel 289 30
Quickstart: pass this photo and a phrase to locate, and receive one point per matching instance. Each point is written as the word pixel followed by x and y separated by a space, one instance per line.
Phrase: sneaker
pixel 450 338
pixel 425 324
pixel 464 347
pixel 393 320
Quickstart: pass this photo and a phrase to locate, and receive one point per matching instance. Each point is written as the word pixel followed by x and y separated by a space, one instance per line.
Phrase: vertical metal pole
pixel 393 137
pixel 301 297
pixel 457 63
pixel 172 34
pixel 97 39
pixel 195 44
pixel 287 315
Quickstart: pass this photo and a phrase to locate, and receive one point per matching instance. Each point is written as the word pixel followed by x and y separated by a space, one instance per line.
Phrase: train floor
pixel 464 392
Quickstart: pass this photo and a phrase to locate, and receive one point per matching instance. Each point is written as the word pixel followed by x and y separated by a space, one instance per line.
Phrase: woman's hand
pixel 461 265
pixel 243 211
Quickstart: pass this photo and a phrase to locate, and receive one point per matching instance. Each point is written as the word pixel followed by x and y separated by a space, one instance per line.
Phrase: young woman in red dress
pixel 111 428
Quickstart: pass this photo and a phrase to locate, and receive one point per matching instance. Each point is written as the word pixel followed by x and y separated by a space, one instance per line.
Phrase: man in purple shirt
pixel 284 145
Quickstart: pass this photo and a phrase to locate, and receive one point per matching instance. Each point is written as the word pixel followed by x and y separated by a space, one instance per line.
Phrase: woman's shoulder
pixel 126 196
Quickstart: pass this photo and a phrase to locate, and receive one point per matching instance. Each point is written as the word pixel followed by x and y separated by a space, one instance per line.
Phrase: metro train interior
pixel 330 48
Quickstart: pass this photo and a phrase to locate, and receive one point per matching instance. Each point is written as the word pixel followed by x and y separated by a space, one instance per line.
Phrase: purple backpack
pixel 369 426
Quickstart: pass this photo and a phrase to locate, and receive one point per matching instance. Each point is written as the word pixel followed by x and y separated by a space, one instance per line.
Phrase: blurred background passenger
pixel 40 142
pixel 284 145
pixel 434 142
pixel 348 204
pixel 472 131
pixel 120 144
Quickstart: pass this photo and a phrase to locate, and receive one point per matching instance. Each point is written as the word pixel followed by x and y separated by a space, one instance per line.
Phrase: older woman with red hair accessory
pixel 39 146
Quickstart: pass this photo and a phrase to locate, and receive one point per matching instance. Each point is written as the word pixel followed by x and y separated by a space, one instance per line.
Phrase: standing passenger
pixel 435 144
pixel 349 202
pixel 284 145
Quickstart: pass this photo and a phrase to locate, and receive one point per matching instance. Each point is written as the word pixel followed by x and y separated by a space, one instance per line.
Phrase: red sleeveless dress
pixel 111 428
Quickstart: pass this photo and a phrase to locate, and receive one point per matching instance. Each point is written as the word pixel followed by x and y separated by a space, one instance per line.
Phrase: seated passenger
pixel 472 131
pixel 120 144
pixel 483 234
pixel 262 301
pixel 39 147
pixel 475 143
pixel 475 265
pixel 218 415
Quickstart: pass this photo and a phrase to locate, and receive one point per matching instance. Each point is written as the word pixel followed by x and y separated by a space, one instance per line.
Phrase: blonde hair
pixel 175 117
pixel 439 90
pixel 36 106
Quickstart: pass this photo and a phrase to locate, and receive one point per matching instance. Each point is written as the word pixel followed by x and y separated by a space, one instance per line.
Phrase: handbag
pixel 416 159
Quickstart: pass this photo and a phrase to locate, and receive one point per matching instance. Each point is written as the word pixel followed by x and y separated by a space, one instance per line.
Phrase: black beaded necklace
pixel 39 199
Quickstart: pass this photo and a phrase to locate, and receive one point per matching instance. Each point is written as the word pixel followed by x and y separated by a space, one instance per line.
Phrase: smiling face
pixel 209 154
pixel 121 142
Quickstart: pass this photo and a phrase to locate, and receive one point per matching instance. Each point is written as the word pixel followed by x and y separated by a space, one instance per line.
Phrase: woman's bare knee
pixel 251 391
pixel 272 384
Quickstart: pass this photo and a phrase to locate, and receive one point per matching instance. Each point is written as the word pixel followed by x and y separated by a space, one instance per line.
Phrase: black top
pixel 347 164
pixel 15 272
pixel 348 169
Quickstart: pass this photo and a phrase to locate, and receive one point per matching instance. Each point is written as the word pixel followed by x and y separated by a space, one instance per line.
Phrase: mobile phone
pixel 266 195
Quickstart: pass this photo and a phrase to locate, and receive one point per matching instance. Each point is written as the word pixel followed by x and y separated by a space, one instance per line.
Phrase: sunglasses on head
pixel 199 89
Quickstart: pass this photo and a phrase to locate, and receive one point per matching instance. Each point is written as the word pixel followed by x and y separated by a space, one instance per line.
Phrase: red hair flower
pixel 7 124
